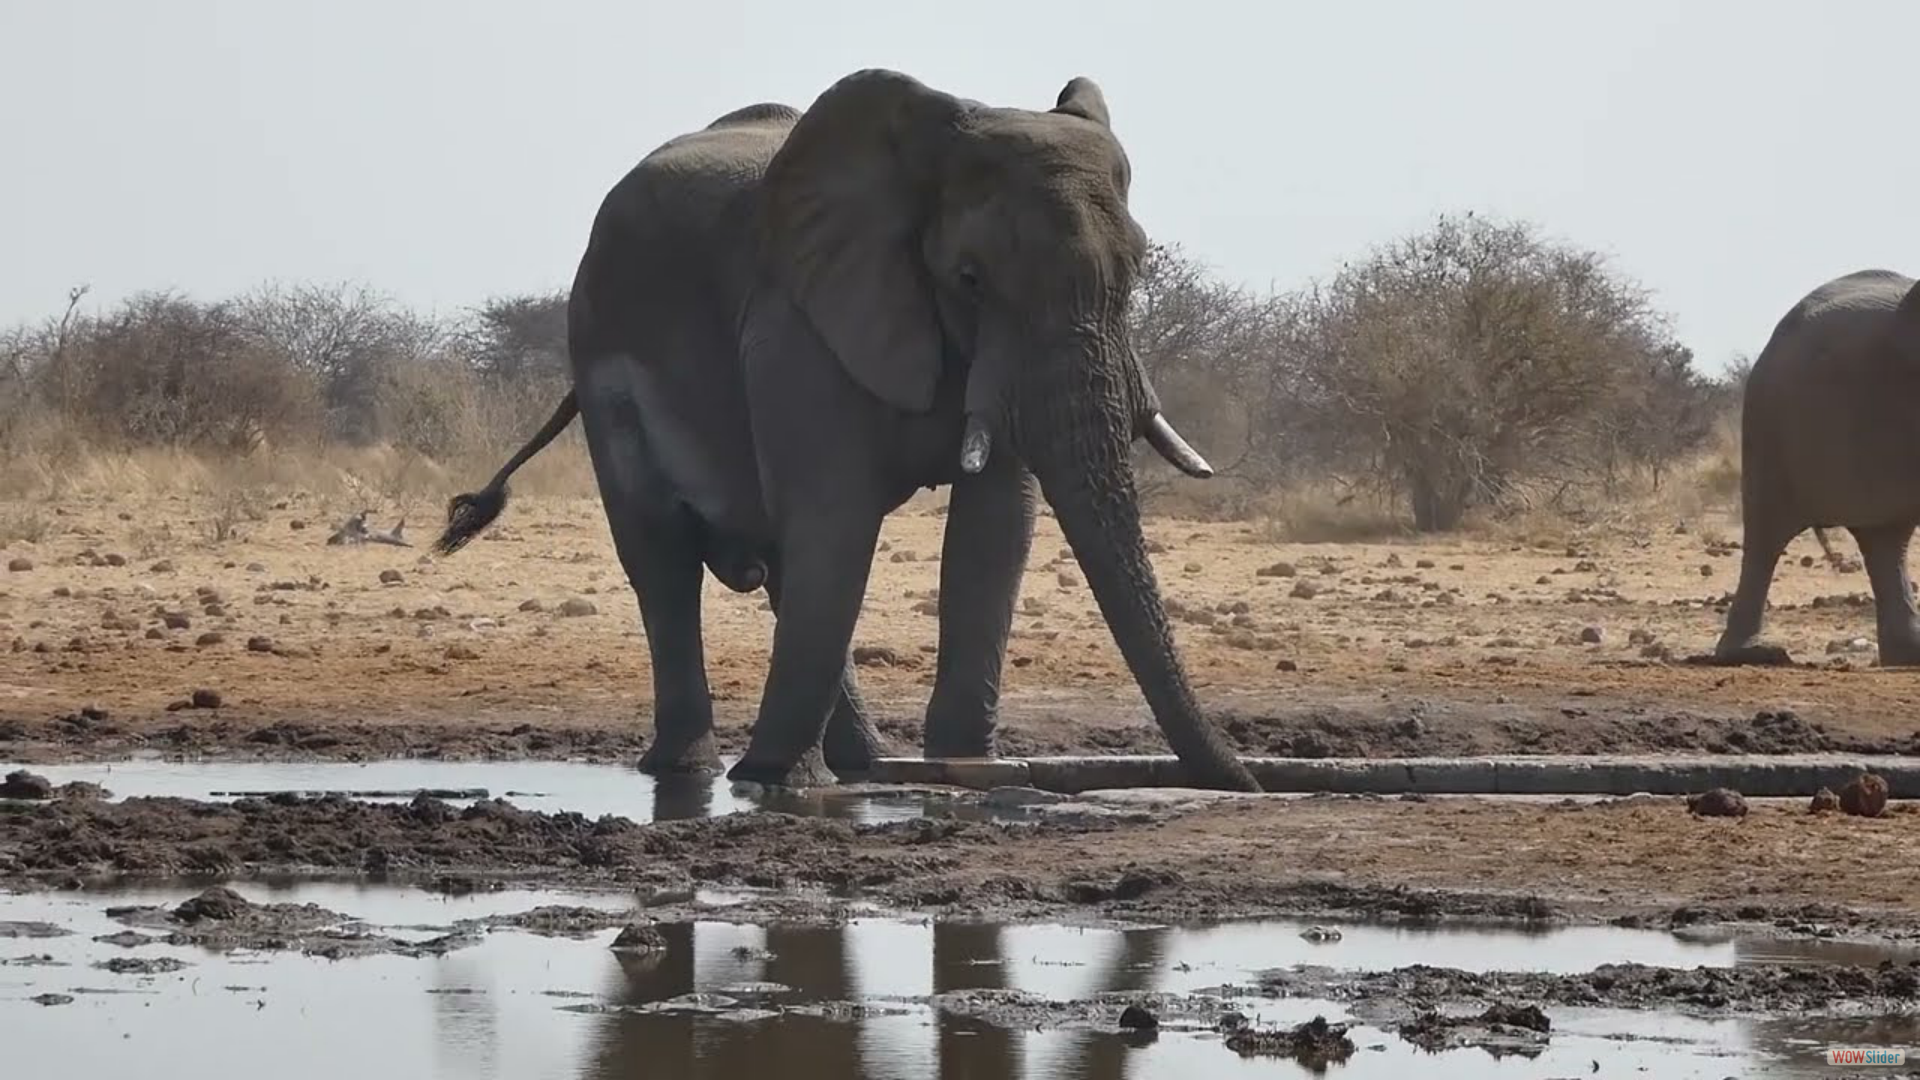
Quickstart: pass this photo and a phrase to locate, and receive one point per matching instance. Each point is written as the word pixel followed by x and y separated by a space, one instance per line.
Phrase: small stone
pixel 1864 796
pixel 1824 802
pixel 532 605
pixel 115 559
pixel 1191 568
pixel 21 784
pixel 1279 569
pixel 1639 637
pixel 164 566
pixel 461 652
pixel 390 577
pixel 1066 579
pixel 19 566
pixel 1423 564
pixel 638 938
pixel 260 644
pixel 1305 590
pixel 1135 1018
pixel 177 620
pixel 574 608
pixel 1287 665
pixel 210 639
pixel 217 904
pixel 1706 569
pixel 1720 802
pixel 1591 635
pixel 206 699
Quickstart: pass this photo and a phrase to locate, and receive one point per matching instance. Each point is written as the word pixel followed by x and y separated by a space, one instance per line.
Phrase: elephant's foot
pixel 950 733
pixel 1900 649
pixel 851 753
pixel 1750 653
pixel 809 771
pixel 681 755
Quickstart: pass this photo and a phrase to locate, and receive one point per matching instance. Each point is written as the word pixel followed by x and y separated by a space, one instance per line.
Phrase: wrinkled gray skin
pixel 1829 437
pixel 784 325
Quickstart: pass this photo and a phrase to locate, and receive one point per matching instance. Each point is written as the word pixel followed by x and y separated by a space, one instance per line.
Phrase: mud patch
pixel 221 920
pixel 1500 1029
pixel 1802 989
pixel 1315 1044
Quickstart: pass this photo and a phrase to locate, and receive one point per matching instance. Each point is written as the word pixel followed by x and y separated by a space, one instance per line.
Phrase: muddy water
pixel 728 1000
pixel 549 786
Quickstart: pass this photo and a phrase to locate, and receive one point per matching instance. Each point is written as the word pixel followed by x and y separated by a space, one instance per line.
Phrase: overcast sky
pixel 1730 154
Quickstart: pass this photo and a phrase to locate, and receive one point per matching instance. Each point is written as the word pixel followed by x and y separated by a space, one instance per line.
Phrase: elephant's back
pixel 1826 394
pixel 1835 327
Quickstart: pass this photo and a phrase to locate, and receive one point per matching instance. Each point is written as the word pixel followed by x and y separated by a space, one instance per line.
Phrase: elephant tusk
pixel 1175 449
pixel 974 446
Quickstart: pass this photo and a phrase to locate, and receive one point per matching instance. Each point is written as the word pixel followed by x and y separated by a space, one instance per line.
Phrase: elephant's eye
pixel 969 276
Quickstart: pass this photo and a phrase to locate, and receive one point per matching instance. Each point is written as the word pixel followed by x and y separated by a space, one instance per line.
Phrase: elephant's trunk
pixel 1076 436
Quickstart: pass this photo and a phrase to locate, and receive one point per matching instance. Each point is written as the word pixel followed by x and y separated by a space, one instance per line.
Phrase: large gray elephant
pixel 785 324
pixel 1828 437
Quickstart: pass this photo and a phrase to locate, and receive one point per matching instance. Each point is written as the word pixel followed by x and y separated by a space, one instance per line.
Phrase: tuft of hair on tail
pixel 468 515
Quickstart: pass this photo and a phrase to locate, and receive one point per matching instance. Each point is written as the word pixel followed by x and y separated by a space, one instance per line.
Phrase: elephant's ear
pixel 846 199
pixel 1082 97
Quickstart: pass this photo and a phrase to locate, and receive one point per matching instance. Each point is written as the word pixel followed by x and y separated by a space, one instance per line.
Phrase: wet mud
pixel 1428 725
pixel 1800 989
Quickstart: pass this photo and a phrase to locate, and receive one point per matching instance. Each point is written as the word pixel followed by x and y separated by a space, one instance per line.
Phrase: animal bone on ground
pixel 354 531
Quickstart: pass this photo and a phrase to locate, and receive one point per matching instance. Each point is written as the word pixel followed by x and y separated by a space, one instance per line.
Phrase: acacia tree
pixel 1451 364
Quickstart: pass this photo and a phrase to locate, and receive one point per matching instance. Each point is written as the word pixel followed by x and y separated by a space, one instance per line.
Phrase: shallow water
pixel 521 1005
pixel 550 786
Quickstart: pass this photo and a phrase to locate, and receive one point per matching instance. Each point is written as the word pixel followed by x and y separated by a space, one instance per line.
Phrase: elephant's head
pixel 918 230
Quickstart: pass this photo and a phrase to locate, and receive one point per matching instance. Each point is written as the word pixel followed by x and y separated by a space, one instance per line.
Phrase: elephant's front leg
pixel 851 743
pixel 825 558
pixel 989 534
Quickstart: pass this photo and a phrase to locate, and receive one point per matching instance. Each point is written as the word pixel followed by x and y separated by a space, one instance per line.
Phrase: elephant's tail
pixel 468 514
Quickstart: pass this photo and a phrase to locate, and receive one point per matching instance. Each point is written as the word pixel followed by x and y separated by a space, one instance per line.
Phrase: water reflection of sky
pixel 550 786
pixel 497 1010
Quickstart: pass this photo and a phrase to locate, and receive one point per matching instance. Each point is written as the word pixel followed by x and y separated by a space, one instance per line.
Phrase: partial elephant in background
pixel 785 324
pixel 1829 437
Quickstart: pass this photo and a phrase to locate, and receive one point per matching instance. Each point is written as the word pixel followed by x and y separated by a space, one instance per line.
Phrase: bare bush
pixel 1475 365
pixel 1478 361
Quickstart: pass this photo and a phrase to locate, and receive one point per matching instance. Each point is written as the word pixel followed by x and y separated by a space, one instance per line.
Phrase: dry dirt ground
pixel 526 644
pixel 1305 649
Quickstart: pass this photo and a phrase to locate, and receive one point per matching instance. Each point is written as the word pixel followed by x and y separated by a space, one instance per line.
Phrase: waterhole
pixel 106 983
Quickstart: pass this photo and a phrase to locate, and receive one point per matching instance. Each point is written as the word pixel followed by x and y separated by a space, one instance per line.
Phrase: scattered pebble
pixel 638 938
pixel 1824 802
pixel 575 607
pixel 1864 796
pixel 21 784
pixel 1720 802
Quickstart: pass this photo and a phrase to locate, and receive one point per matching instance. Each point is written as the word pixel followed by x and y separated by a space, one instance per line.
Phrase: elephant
pixel 1828 439
pixel 786 323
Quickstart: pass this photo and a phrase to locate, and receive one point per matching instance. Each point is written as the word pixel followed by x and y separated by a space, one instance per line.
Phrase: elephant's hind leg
pixel 1760 554
pixel 1884 549
pixel 659 544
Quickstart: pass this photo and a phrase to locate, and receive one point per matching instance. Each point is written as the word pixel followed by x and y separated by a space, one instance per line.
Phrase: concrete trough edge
pixel 1782 776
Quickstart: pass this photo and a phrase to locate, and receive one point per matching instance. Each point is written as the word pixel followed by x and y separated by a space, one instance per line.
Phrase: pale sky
pixel 1730 154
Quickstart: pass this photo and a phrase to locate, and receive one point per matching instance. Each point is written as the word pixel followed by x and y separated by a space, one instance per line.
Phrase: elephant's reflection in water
pixel 816 963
